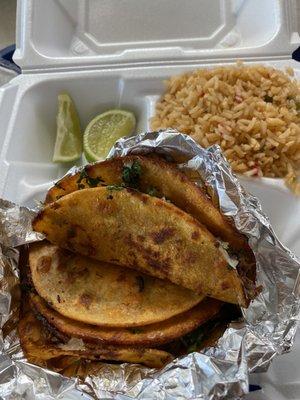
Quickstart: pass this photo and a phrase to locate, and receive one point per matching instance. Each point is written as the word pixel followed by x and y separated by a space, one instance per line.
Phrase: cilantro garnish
pixel 131 174
pixel 91 182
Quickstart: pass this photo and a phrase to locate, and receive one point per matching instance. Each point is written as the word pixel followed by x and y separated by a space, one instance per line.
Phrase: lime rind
pixel 68 143
pixel 104 130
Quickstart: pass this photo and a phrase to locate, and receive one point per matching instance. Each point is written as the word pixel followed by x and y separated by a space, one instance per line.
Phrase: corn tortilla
pixel 39 345
pixel 149 335
pixel 99 293
pixel 142 232
pixel 162 177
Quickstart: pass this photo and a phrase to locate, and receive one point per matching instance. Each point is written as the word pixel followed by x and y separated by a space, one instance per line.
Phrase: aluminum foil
pixel 268 327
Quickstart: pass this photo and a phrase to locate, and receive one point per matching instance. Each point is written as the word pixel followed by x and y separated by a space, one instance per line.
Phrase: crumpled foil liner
pixel 269 323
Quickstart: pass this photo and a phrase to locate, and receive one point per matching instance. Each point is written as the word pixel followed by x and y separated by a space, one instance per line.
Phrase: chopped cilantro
pixel 131 174
pixel 83 175
pixel 91 182
pixel 268 99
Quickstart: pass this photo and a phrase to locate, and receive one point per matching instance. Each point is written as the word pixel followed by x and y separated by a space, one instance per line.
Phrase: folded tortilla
pixel 135 230
pixel 162 179
pixel 99 293
pixel 145 336
pixel 39 345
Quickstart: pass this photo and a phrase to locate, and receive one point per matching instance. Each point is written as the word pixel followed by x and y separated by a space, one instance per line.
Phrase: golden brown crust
pixel 145 336
pixel 175 185
pixel 40 346
pixel 142 232
pixel 168 181
pixel 103 294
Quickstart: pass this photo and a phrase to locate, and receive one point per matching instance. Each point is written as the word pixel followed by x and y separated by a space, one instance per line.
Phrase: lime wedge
pixel 68 144
pixel 104 130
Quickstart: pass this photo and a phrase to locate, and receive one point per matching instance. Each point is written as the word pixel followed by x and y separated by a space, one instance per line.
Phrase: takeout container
pixel 112 53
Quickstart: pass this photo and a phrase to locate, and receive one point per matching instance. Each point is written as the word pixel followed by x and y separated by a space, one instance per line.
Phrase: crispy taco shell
pixel 164 179
pixel 39 346
pixel 142 232
pixel 99 293
pixel 159 177
pixel 146 336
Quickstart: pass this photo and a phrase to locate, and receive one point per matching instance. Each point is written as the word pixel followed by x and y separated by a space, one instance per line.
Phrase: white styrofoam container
pixel 116 53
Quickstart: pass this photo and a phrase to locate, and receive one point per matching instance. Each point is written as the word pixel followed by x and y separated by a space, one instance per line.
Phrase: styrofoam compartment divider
pixel 107 54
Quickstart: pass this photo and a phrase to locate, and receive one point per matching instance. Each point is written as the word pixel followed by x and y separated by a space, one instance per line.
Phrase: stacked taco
pixel 138 266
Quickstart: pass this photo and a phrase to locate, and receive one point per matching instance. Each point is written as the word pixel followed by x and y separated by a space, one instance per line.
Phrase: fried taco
pixel 142 232
pixel 40 345
pixel 152 335
pixel 95 292
pixel 152 175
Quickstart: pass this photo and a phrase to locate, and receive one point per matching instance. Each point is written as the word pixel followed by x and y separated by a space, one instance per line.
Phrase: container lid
pixel 63 34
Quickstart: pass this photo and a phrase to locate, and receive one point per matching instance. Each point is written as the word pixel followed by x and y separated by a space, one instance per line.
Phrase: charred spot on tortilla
pixel 160 265
pixel 44 264
pixel 162 235
pixel 86 300
pixel 55 205
pixel 195 235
